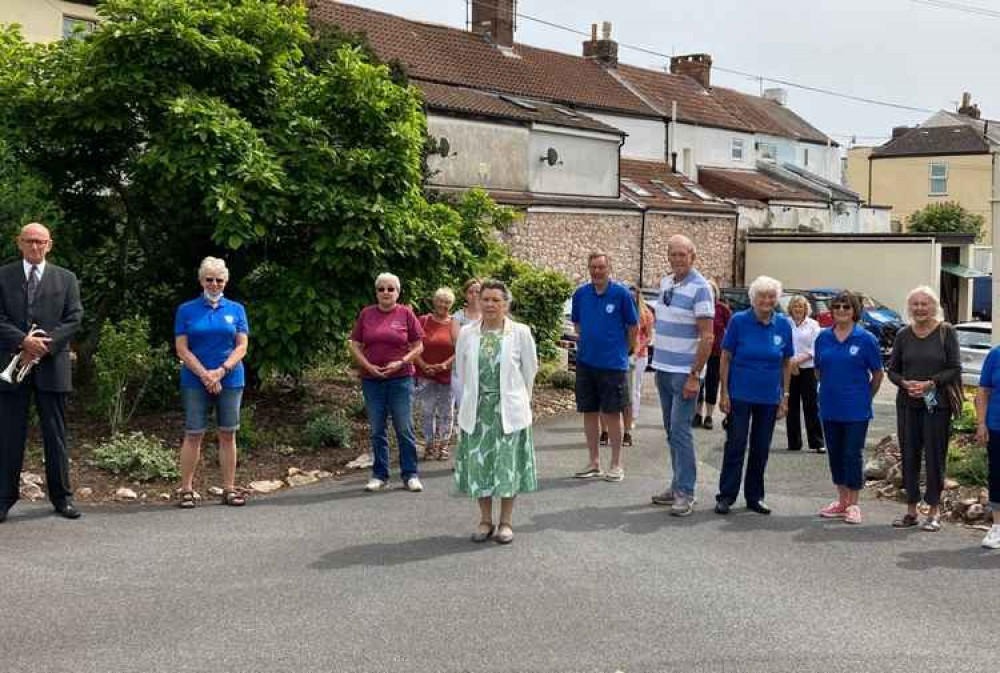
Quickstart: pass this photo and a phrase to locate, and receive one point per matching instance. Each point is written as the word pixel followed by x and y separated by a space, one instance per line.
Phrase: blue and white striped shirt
pixel 678 308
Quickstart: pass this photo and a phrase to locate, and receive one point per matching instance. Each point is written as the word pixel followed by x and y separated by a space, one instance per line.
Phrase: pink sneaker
pixel 852 514
pixel 834 510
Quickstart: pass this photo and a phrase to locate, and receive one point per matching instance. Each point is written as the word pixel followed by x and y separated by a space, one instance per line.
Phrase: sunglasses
pixel 840 307
pixel 668 296
pixel 385 289
pixel 214 280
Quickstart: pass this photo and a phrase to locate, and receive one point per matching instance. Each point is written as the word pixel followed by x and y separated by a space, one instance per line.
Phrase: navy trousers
pixel 749 424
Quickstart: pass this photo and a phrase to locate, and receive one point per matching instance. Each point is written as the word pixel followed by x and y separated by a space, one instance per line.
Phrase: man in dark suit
pixel 35 292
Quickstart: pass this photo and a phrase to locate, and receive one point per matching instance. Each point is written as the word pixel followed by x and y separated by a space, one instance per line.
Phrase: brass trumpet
pixel 17 370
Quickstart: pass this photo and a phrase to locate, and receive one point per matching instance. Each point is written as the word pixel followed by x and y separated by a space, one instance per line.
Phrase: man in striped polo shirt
pixel 682 345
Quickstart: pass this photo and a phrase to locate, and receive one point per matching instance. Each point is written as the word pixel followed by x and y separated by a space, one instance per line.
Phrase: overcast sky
pixel 898 51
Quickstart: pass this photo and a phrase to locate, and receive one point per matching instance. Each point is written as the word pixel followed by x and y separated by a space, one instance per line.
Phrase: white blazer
pixel 518 366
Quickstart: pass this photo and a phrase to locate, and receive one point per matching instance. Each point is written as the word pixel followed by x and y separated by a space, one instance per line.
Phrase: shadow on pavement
pixel 399 553
pixel 967 558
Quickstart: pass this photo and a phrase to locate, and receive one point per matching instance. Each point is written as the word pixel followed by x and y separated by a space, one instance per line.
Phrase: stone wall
pixel 561 241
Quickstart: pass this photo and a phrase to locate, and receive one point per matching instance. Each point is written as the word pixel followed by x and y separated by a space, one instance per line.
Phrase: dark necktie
pixel 32 286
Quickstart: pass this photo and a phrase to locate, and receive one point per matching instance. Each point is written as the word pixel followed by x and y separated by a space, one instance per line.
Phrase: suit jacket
pixel 57 310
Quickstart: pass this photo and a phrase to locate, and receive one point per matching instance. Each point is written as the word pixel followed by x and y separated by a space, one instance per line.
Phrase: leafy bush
pixel 138 457
pixel 123 366
pixel 538 301
pixel 966 421
pixel 563 380
pixel 546 368
pixel 967 462
pixel 328 430
pixel 249 436
pixel 162 389
pixel 948 217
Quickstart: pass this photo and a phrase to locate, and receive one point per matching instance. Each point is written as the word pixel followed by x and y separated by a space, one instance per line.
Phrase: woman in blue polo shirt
pixel 988 433
pixel 211 335
pixel 849 366
pixel 753 377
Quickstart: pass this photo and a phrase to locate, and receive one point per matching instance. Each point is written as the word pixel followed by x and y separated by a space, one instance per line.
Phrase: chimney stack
pixel 495 20
pixel 778 95
pixel 604 50
pixel 696 66
pixel 898 131
pixel 967 108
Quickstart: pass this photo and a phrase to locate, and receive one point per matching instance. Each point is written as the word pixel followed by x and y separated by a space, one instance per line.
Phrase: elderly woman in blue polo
pixel 210 336
pixel 496 364
pixel 753 375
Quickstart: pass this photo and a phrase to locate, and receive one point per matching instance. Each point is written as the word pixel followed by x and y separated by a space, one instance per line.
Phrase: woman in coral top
pixel 434 367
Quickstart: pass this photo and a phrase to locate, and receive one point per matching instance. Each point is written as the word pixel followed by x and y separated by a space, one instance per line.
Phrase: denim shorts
pixel 198 402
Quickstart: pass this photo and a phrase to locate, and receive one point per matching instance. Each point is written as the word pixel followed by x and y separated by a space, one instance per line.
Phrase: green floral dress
pixel 488 462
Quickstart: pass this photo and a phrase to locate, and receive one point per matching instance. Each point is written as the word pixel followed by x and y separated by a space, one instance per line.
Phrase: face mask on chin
pixel 213 297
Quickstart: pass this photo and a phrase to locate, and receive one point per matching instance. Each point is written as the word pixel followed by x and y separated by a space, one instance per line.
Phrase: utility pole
pixel 995 239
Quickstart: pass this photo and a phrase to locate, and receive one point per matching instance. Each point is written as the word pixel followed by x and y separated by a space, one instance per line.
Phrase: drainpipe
pixel 673 136
pixel 736 281
pixel 870 199
pixel 642 248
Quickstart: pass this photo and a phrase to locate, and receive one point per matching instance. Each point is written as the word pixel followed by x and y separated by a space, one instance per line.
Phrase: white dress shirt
pixel 804 340
pixel 27 268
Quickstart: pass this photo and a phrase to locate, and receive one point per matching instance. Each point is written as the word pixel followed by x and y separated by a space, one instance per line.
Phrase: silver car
pixel 974 341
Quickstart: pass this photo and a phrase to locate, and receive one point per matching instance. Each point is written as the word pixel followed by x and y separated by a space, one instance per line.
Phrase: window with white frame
pixel 737 151
pixel 939 178
pixel 75 27
pixel 768 151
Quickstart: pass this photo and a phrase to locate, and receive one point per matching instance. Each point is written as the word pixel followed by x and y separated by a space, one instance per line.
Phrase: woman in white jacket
pixel 495 365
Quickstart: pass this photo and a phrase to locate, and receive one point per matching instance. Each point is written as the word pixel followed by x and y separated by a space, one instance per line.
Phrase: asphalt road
pixel 329 578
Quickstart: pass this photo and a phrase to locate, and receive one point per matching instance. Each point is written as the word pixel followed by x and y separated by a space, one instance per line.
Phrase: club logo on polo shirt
pixel 853 350
pixel 778 340
pixel 610 308
pixel 230 319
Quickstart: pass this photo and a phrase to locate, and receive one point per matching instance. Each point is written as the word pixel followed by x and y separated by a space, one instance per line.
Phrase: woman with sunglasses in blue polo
pixel 849 367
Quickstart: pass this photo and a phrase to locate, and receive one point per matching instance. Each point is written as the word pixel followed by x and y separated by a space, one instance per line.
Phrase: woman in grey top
pixel 925 361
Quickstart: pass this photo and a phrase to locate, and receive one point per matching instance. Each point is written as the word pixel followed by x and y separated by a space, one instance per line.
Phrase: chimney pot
pixel 605 50
pixel 606 30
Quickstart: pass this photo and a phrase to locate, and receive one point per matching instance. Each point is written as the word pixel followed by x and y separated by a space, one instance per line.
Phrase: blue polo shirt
pixel 211 334
pixel 604 320
pixel 757 353
pixel 845 371
pixel 989 377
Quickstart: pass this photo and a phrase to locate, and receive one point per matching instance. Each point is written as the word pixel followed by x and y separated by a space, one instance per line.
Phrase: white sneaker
pixel 992 539
pixel 375 484
pixel 413 484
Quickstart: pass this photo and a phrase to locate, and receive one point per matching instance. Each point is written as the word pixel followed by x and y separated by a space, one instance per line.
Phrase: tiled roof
pixel 479 103
pixel 746 184
pixel 768 116
pixel 935 140
pixel 448 55
pixel 695 105
pixel 662 189
pixel 527 199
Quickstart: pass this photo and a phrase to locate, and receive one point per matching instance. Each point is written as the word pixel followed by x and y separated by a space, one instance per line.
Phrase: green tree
pixel 181 128
pixel 948 217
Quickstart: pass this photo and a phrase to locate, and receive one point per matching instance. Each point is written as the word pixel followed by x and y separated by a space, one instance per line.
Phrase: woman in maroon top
pixel 386 339
pixel 709 393
pixel 434 367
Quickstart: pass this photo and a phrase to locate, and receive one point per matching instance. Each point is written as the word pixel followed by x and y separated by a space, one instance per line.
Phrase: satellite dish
pixel 551 157
pixel 444 147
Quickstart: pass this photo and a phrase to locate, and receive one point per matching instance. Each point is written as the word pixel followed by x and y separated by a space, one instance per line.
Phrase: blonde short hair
pixel 446 294
pixel 387 277
pixel 214 266
pixel 799 299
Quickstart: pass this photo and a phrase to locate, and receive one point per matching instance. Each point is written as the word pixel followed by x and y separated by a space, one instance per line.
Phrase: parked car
pixel 876 317
pixel 974 342
pixel 738 299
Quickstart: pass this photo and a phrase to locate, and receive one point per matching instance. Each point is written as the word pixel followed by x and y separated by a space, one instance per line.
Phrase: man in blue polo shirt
pixel 606 319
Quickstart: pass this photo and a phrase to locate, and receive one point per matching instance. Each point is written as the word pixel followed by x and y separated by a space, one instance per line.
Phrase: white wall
pixel 492 155
pixel 588 162
pixel 43 21
pixel 885 270
pixel 646 138
pixel 711 147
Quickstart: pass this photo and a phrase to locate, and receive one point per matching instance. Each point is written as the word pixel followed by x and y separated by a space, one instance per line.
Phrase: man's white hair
pixel 214 266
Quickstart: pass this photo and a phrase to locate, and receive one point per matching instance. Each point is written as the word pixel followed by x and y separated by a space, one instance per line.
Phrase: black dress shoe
pixel 68 510
pixel 723 507
pixel 760 507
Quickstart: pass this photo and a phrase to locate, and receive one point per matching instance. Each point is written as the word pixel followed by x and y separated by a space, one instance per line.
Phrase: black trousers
pixel 923 433
pixel 802 395
pixel 709 391
pixel 14 433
